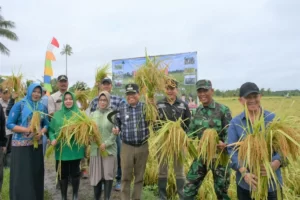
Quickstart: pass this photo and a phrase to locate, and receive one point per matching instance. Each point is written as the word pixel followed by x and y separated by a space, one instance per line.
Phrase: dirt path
pixel 85 190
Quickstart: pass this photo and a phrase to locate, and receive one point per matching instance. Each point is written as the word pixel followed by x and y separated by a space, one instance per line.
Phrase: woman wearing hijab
pixel 69 157
pixel 27 164
pixel 103 169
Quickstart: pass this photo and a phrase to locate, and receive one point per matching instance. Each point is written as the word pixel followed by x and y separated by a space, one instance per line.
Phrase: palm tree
pixel 5 32
pixel 67 50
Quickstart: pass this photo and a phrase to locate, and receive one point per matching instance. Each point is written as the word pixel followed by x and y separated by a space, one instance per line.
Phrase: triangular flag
pixel 50 56
pixel 54 42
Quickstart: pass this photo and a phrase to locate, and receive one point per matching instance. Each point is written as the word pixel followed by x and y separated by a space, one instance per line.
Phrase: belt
pixel 135 144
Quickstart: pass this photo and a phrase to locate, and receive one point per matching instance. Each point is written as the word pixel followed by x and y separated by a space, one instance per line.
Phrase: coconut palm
pixel 67 50
pixel 5 32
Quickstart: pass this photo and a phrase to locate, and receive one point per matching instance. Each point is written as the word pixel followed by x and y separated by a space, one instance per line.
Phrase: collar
pixel 177 101
pixel 211 105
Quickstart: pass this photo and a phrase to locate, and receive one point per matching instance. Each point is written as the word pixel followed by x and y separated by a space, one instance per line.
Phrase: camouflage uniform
pixel 215 116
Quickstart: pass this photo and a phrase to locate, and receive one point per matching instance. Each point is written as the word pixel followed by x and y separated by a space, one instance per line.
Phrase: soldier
pixel 208 115
pixel 172 108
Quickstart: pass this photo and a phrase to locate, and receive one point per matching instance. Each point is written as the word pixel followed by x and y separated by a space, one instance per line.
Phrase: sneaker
pixel 118 186
pixel 85 174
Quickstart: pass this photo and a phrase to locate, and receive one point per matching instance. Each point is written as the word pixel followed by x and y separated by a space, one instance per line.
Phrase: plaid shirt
pixel 131 121
pixel 115 102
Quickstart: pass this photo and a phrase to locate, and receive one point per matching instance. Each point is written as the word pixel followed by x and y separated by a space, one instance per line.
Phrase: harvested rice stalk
pixel 170 142
pixel 35 127
pixel 82 98
pixel 101 73
pixel 151 80
pixel 254 155
pixel 14 84
pixel 84 131
pixel 284 137
pixel 207 147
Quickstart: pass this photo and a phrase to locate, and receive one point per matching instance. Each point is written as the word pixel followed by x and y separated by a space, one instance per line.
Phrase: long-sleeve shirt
pixel 2 128
pixel 105 128
pixel 132 123
pixel 236 131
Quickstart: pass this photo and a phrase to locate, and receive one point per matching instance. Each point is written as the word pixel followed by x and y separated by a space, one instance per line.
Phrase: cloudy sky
pixel 236 41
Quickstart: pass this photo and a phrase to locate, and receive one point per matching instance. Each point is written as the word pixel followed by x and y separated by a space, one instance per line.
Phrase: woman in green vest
pixel 103 168
pixel 69 156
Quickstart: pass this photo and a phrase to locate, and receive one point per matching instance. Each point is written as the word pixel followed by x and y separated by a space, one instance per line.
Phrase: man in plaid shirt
pixel 115 101
pixel 134 134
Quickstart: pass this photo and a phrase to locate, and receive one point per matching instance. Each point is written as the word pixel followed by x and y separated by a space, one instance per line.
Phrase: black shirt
pixel 2 128
pixel 174 112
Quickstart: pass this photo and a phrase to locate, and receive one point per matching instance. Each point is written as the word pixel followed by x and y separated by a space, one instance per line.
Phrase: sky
pixel 236 41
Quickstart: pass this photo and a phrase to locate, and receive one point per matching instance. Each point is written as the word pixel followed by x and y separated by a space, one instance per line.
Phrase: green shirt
pixel 215 115
pixel 105 128
pixel 65 152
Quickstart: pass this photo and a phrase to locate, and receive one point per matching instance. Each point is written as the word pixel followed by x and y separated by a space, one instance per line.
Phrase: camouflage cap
pixel 203 84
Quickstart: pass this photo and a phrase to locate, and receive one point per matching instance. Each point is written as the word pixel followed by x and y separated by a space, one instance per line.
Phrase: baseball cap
pixel 131 88
pixel 248 88
pixel 203 84
pixel 106 79
pixel 62 78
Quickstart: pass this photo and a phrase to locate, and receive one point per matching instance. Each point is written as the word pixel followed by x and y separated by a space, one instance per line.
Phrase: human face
pixel 36 94
pixel 68 101
pixel 103 102
pixel 172 93
pixel 106 87
pixel 205 96
pixel 132 98
pixel 252 101
pixel 6 95
pixel 63 85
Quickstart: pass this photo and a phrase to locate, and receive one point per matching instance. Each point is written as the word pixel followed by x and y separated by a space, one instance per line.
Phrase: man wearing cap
pixel 115 101
pixel 131 121
pixel 210 114
pixel 55 100
pixel 250 97
pixel 172 108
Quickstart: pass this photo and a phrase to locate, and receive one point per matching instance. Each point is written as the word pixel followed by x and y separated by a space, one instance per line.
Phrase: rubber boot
pixel 107 189
pixel 98 190
pixel 162 188
pixel 180 185
pixel 63 188
pixel 75 185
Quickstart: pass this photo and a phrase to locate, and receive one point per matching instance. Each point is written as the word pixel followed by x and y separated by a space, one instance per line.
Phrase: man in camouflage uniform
pixel 208 115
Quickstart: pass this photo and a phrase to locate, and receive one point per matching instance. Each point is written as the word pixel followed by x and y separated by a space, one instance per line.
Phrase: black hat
pixel 106 79
pixel 62 78
pixel 131 88
pixel 248 88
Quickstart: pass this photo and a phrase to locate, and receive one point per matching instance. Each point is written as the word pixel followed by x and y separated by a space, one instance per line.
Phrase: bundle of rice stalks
pixel 170 142
pixel 82 98
pixel 101 73
pixel 151 80
pixel 35 127
pixel 284 137
pixel 254 155
pixel 151 172
pixel 83 129
pixel 14 84
pixel 207 190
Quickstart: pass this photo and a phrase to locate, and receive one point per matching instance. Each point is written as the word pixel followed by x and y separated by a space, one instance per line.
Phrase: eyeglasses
pixel 102 100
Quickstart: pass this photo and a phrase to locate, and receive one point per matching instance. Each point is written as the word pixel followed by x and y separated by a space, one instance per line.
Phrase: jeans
pixel 119 170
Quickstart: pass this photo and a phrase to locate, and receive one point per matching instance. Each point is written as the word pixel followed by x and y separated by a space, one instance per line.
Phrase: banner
pixel 181 66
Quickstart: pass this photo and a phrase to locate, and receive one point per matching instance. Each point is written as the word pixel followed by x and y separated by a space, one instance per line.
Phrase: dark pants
pixel 69 168
pixel 119 170
pixel 246 195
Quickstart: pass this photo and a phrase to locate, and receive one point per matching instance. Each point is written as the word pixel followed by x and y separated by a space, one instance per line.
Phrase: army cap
pixel 131 88
pixel 203 84
pixel 62 78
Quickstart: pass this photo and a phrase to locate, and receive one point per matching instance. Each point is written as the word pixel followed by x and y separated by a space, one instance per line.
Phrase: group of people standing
pixel 129 130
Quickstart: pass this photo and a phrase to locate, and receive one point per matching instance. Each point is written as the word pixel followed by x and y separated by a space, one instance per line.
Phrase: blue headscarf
pixel 29 105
